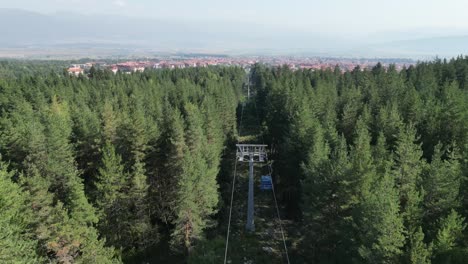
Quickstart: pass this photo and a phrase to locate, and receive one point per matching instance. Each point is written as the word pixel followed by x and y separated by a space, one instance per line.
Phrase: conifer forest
pixel 367 166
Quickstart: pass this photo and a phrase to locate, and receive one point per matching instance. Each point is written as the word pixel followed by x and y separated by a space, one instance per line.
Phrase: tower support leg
pixel 250 226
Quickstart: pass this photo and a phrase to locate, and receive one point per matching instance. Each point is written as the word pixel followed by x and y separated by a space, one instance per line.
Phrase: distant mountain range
pixel 25 30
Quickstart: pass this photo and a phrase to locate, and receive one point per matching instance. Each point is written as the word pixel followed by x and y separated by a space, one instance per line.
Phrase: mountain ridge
pixel 27 29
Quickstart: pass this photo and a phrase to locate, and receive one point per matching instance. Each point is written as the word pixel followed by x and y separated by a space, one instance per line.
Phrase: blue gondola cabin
pixel 265 182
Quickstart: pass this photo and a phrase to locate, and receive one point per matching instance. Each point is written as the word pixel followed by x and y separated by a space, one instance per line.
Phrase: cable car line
pixel 257 151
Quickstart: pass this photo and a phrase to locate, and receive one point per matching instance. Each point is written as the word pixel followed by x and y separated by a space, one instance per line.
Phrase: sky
pixel 347 17
pixel 392 28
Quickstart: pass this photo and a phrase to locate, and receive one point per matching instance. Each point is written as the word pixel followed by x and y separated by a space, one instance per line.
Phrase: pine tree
pixel 382 157
pixel 454 114
pixel 349 117
pixel 86 140
pixel 142 233
pixel 363 171
pixel 297 144
pixel 109 123
pixel 419 252
pixel 411 105
pixel 314 169
pixel 133 138
pixel 62 238
pixel 381 225
pixel 442 180
pixel 374 205
pixel 61 167
pixel 407 170
pixel 108 196
pixel 323 202
pixel 450 233
pixel 197 194
pixel 111 177
pixel 390 123
pixel 17 245
pixel 171 155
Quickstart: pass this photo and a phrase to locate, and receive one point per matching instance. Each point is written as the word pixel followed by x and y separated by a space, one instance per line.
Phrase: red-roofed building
pixel 75 71
pixel 114 69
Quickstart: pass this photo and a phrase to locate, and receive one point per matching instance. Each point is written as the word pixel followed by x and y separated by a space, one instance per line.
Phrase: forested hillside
pixel 370 166
pixel 105 168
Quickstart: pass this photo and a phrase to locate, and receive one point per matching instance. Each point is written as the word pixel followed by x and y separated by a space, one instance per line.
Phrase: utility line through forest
pixel 270 171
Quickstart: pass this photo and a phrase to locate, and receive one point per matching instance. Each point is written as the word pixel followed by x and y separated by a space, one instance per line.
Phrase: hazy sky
pixel 337 16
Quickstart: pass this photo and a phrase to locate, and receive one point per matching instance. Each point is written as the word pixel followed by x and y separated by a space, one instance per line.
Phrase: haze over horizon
pixel 360 28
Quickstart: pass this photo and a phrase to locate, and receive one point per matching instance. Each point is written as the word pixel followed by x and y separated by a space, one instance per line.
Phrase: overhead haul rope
pixel 270 169
pixel 232 190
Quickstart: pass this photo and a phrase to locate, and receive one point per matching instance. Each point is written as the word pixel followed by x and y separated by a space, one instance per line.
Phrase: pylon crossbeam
pixel 247 151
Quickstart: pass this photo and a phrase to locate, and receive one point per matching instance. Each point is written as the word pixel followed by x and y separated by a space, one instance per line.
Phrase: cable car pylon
pixel 251 153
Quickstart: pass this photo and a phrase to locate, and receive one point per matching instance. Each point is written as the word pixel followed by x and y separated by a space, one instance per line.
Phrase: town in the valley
pixel 177 62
